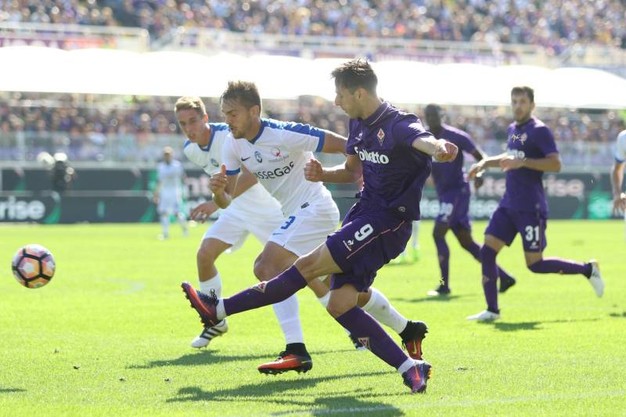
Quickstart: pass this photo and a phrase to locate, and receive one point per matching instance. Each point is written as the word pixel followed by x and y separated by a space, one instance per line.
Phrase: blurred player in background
pixel 453 191
pixel 617 175
pixel 169 192
pixel 411 253
pixel 523 209
pixel 392 151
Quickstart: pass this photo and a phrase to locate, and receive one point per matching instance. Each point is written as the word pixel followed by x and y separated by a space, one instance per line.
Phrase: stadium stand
pixel 550 33
pixel 553 24
pixel 136 129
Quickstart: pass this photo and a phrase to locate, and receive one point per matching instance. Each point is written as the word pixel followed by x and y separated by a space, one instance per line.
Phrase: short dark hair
pixel 244 92
pixel 435 108
pixel 524 90
pixel 357 73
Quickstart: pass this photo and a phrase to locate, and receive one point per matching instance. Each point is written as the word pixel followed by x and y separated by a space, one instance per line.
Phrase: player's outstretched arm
pixel 489 162
pixel 203 211
pixel 440 149
pixel 334 143
pixel 551 163
pixel 349 171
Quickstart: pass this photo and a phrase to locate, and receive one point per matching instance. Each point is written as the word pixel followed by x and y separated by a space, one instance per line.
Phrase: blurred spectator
pixel 553 24
pixel 136 129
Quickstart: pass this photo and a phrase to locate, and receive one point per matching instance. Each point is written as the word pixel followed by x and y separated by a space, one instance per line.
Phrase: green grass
pixel 109 336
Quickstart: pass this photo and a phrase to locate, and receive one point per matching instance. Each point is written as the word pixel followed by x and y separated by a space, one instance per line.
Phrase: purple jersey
pixel 393 171
pixel 450 176
pixel 524 186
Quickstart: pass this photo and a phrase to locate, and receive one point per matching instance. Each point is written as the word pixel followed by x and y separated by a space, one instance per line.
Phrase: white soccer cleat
pixel 596 279
pixel 485 315
pixel 209 334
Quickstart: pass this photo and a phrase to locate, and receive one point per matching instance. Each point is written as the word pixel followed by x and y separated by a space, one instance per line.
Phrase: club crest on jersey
pixel 260 287
pixel 214 163
pixel 258 157
pixel 365 341
pixel 277 155
pixel 381 136
pixel 521 137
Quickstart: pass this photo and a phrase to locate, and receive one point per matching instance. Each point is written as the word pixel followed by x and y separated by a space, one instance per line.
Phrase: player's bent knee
pixel 534 267
pixel 336 310
pixel 206 256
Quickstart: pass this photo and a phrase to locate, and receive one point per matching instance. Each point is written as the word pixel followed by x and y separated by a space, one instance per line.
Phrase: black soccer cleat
pixel 412 337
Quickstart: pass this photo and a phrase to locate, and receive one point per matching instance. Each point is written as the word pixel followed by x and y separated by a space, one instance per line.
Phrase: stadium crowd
pixel 136 129
pixel 554 24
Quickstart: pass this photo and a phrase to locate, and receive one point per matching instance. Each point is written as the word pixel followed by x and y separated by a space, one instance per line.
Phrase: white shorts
pixel 308 227
pixel 256 213
pixel 169 204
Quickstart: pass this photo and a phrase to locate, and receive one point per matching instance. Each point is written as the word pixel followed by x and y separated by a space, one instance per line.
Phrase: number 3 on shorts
pixel 288 222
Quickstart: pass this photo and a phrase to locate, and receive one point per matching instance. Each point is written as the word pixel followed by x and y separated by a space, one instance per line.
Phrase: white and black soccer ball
pixel 33 266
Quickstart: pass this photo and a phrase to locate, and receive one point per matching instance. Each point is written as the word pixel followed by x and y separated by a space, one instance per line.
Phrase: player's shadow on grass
pixel 355 401
pixel 10 390
pixel 209 357
pixel 197 358
pixel 529 325
pixel 439 299
pixel 621 315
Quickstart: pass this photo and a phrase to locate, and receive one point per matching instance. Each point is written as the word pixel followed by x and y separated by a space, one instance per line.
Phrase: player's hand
pixel 479 180
pixel 511 162
pixel 313 170
pixel 218 181
pixel 446 151
pixel 203 211
pixel 619 204
pixel 476 171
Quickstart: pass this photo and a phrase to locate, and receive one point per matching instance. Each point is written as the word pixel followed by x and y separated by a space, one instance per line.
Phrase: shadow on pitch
pixel 528 325
pixel 209 357
pixel 10 390
pixel 205 357
pixel 341 402
pixel 439 299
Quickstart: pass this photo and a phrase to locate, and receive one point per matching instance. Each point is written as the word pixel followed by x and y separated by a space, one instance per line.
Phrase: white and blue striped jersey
pixel 277 156
pixel 209 158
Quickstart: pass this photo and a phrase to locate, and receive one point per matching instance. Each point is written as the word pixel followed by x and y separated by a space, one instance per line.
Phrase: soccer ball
pixel 33 266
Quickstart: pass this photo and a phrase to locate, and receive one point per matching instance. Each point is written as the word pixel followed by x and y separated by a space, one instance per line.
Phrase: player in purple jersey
pixel 392 151
pixel 523 209
pixel 453 191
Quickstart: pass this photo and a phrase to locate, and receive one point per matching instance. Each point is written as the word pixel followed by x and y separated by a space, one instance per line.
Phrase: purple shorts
pixel 366 241
pixel 454 209
pixel 506 223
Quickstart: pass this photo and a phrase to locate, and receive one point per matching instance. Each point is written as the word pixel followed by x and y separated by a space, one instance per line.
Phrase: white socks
pixel 416 234
pixel 214 284
pixel 324 300
pixel 165 224
pixel 289 319
pixel 379 307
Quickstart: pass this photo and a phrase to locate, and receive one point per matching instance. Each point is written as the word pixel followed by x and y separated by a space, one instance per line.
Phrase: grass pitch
pixel 110 334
